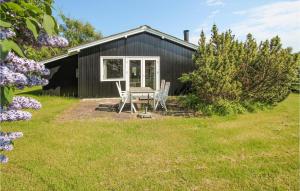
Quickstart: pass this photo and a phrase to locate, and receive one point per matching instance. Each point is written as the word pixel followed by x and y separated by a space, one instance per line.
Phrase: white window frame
pixel 126 69
pixel 112 79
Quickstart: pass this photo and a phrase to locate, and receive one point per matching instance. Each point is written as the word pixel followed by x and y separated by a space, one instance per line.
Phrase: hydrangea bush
pixel 23 65
pixel 24 23
pixel 21 102
pixel 6 143
pixel 14 115
pixel 53 41
pixel 10 78
pixel 6 33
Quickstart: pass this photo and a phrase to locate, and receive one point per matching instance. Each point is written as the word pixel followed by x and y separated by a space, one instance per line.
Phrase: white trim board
pixel 55 58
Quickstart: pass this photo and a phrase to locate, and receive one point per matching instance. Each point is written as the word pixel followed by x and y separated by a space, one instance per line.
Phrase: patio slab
pixel 86 109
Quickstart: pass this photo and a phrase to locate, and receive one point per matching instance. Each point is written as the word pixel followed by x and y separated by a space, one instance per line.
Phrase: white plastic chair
pixel 158 92
pixel 162 96
pixel 125 98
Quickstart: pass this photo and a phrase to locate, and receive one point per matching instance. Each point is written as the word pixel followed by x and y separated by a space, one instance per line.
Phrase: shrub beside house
pixel 233 76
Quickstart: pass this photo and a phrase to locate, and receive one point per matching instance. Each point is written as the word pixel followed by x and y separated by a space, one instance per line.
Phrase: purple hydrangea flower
pixel 6 145
pixel 6 33
pixel 21 102
pixel 10 78
pixel 14 115
pixel 24 66
pixel 4 138
pixel 3 159
pixel 53 41
pixel 8 136
pixel 4 1
pixel 19 80
pixel 36 81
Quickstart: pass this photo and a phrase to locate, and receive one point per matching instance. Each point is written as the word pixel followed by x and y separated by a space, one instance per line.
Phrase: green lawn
pixel 257 151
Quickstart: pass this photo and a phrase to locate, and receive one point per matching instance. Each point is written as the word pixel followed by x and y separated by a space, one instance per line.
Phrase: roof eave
pixel 133 32
pixel 172 38
pixel 76 50
pixel 58 57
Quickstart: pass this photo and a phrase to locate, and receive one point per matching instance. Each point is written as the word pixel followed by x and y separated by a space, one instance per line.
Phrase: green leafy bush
pixel 190 101
pixel 225 107
pixel 233 77
pixel 266 71
pixel 220 107
pixel 216 68
pixel 296 83
pixel 252 106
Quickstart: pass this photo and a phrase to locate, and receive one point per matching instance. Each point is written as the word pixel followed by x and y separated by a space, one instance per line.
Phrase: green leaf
pixel 49 24
pixel 4 49
pixel 35 21
pixel 32 27
pixel 31 7
pixel 6 95
pixel 56 28
pixel 16 48
pixel 7 45
pixel 15 8
pixel 48 8
pixel 4 24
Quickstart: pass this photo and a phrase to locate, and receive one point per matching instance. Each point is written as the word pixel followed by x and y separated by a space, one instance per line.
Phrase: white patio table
pixel 140 90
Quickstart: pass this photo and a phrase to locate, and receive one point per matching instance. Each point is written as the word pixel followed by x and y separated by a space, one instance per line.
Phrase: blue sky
pixel 263 18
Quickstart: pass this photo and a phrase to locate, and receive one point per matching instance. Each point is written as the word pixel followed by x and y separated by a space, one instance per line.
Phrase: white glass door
pixel 142 72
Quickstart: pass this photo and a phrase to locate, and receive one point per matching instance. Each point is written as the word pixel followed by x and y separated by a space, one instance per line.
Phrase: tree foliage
pixel 296 83
pixel 75 31
pixel 78 32
pixel 43 52
pixel 216 68
pixel 267 70
pixel 235 72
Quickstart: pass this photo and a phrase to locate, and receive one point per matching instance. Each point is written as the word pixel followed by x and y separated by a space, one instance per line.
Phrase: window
pixel 112 68
pixel 150 73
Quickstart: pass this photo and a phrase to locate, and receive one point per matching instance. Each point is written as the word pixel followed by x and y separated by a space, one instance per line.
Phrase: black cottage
pixel 140 57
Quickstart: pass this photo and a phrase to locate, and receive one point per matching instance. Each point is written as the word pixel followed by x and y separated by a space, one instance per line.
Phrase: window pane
pixel 135 73
pixel 112 68
pixel 150 74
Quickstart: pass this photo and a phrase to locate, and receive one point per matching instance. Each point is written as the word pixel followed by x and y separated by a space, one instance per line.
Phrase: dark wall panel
pixel 89 73
pixel 62 79
pixel 174 60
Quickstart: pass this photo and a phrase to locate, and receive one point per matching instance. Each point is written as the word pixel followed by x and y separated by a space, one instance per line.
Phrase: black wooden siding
pixel 175 60
pixel 62 79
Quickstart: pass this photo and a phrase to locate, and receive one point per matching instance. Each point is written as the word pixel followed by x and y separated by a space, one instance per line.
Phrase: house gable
pixel 132 32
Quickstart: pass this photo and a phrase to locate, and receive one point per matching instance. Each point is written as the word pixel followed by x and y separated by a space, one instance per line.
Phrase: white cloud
pixel 214 2
pixel 264 22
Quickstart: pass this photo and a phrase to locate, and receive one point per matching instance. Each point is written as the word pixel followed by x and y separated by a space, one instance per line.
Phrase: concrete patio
pixel 89 109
